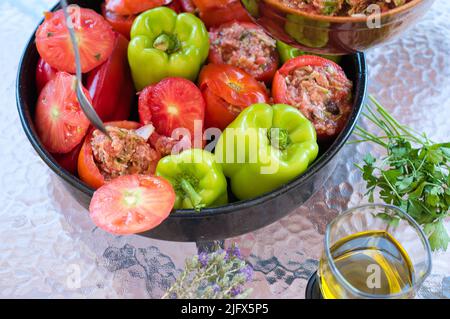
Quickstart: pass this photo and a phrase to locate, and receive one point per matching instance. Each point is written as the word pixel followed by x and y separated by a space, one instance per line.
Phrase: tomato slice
pixel 216 12
pixel 44 73
pixel 111 86
pixel 173 103
pixel 216 52
pixel 132 204
pixel 128 7
pixel 120 23
pixel 227 91
pixel 60 122
pixel 95 40
pixel 87 169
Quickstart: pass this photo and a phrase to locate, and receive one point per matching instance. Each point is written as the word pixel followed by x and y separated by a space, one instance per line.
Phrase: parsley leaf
pixel 413 175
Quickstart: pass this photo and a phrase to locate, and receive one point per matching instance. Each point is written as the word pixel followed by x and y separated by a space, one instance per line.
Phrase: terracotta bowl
pixel 333 35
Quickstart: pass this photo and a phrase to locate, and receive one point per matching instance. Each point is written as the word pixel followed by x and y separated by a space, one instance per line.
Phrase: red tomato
pixel 110 85
pixel 69 161
pixel 175 5
pixel 187 5
pixel 227 91
pixel 95 40
pixel 171 104
pixel 132 204
pixel 120 23
pixel 60 122
pixel 44 73
pixel 216 12
pixel 87 169
pixel 215 52
pixel 129 7
pixel 341 101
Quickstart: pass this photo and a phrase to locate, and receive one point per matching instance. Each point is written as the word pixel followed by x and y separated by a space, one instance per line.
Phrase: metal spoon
pixel 86 106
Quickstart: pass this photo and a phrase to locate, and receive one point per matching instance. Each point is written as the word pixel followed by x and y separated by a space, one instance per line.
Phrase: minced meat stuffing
pixel 342 7
pixel 250 49
pixel 321 94
pixel 125 153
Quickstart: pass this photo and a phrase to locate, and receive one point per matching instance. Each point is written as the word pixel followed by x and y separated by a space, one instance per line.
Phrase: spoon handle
pixel 86 106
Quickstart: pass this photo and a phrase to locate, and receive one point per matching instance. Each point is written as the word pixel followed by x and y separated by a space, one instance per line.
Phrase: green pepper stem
pixel 166 43
pixel 191 193
pixel 279 138
pixel 162 42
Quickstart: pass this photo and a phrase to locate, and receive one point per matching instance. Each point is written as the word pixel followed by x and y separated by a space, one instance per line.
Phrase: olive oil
pixel 373 262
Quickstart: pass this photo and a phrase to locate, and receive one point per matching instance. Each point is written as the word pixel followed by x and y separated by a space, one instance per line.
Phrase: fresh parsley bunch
pixel 414 175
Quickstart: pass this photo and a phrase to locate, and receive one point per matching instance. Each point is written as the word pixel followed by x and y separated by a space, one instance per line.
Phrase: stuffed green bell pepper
pixel 164 44
pixel 197 179
pixel 266 147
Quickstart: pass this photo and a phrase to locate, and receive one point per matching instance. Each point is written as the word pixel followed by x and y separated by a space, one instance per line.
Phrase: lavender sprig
pixel 218 275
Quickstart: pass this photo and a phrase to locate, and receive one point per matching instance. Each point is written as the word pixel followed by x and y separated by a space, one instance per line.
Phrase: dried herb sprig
pixel 413 175
pixel 218 275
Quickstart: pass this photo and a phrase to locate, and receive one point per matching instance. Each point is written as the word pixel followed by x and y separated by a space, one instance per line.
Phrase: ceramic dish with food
pixel 335 27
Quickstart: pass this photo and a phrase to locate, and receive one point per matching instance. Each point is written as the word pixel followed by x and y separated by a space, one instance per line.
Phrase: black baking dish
pixel 211 223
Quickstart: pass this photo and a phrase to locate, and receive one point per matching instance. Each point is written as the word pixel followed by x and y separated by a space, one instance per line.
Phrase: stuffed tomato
pixel 129 7
pixel 228 90
pixel 216 12
pixel 127 152
pixel 246 46
pixel 319 88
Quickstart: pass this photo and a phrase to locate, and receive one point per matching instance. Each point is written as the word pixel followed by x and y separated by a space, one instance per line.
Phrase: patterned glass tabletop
pixel 49 248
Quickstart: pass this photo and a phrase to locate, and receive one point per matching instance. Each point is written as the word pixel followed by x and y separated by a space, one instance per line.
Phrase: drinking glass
pixel 401 261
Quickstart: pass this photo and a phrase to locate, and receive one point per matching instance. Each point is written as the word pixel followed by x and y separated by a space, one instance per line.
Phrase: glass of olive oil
pixel 373 251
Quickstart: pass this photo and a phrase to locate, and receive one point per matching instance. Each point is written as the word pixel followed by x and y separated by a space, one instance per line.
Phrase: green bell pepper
pixel 306 31
pixel 164 44
pixel 197 179
pixel 288 52
pixel 266 147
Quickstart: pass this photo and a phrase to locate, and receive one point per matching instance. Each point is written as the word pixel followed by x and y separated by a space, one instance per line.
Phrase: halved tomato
pixel 132 204
pixel 60 122
pixel 173 103
pixel 87 169
pixel 227 91
pixel 120 23
pixel 128 7
pixel 111 86
pixel 95 40
pixel 44 73
pixel 216 12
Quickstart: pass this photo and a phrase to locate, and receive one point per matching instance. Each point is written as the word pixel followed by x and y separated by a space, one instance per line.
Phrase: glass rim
pixel 343 281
